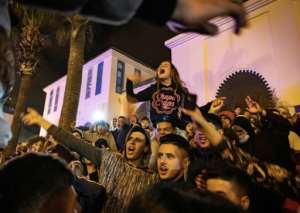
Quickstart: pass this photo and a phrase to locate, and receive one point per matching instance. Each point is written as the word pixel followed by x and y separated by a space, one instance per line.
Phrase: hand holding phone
pixel 190 101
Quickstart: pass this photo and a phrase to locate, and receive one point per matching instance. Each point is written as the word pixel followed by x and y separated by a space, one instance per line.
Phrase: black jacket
pixel 272 144
pixel 92 196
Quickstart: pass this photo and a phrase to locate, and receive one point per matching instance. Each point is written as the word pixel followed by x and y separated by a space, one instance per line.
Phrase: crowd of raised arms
pixel 176 160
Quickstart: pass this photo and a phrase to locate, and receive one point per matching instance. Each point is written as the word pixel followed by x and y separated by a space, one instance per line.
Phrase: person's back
pixel 91 195
pixel 178 198
pixel 272 143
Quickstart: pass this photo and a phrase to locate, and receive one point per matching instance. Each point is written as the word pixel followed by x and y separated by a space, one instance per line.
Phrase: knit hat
pixel 79 131
pixel 245 124
pixel 228 114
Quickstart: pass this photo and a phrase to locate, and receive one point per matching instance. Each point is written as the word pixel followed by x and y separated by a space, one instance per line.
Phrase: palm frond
pixel 62 34
pixel 27 15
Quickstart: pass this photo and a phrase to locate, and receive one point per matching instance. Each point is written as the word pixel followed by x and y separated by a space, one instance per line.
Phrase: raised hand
pixel 217 104
pixel 195 115
pixel 194 15
pixel 31 117
pixel 135 78
pixel 252 106
pixel 209 130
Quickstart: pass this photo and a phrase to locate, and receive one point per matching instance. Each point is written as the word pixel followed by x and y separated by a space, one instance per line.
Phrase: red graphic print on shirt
pixel 165 101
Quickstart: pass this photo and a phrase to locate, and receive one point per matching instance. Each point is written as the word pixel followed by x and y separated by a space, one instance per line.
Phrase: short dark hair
pixel 101 142
pixel 235 176
pixel 176 140
pixel 145 118
pixel 175 198
pixel 167 118
pixel 63 152
pixel 27 182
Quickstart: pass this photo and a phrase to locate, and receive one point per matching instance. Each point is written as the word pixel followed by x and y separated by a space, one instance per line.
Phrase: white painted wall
pixel 53 116
pixel 96 104
pixel 270 46
pixel 108 103
pixel 118 102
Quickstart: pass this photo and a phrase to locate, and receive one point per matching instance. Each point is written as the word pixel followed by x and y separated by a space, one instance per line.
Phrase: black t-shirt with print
pixel 165 101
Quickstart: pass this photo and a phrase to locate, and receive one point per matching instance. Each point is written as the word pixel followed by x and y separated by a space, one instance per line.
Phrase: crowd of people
pixel 182 158
pixel 196 159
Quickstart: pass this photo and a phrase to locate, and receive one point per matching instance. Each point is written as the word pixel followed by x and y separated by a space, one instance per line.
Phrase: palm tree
pixel 78 38
pixel 28 46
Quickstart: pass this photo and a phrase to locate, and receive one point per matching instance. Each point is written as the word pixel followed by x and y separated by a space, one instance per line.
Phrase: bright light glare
pixel 98 116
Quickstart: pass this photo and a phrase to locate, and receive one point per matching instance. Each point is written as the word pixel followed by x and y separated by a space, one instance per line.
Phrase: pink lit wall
pixel 269 46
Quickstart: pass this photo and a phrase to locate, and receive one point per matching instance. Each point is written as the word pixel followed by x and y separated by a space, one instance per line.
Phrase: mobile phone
pixel 190 101
pixel 297 109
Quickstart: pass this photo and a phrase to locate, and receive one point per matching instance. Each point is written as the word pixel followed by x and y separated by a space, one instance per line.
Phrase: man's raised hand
pixel 195 115
pixel 217 104
pixel 31 117
pixel 252 106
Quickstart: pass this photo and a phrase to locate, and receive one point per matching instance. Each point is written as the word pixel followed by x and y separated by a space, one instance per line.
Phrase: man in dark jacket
pixel 121 132
pixel 91 195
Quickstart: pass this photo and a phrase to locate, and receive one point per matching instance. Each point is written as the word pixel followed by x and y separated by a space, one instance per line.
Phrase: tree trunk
pixel 20 107
pixel 75 63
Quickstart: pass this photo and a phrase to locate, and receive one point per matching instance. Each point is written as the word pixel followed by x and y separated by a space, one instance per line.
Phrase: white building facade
pixel 102 95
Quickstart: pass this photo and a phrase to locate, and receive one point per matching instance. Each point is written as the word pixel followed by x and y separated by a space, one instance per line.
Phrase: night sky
pixel 138 39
